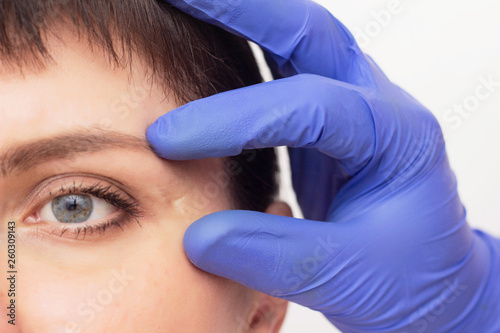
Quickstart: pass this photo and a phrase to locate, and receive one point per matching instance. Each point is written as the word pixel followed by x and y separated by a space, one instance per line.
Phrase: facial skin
pixel 129 278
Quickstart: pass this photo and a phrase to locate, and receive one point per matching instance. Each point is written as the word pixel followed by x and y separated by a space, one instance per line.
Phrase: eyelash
pixel 106 193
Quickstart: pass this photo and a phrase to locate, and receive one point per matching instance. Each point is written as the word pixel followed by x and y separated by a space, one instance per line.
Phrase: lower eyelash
pixel 119 222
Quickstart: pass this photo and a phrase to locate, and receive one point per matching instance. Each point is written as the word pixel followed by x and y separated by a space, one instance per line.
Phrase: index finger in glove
pixel 304 111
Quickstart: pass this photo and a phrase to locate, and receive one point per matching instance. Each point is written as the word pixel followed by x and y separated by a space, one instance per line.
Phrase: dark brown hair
pixel 191 58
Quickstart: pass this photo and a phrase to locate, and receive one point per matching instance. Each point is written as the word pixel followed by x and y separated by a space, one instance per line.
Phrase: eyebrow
pixel 24 156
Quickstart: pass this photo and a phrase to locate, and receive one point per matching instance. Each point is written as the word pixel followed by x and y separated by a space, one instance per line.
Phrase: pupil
pixel 72 206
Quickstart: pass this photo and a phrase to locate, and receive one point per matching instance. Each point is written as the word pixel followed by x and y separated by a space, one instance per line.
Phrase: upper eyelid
pixel 119 218
pixel 39 196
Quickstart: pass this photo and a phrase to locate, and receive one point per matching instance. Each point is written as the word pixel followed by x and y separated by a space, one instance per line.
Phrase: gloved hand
pixel 396 253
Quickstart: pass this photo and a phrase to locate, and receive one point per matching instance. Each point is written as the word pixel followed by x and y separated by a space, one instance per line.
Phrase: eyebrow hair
pixel 26 155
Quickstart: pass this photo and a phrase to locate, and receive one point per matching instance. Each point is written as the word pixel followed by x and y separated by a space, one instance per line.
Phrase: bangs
pixel 192 58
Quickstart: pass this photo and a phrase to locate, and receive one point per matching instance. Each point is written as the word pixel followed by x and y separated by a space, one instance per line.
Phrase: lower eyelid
pixel 85 231
pixel 90 232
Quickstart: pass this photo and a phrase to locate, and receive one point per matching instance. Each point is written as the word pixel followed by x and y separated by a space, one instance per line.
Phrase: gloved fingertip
pixel 201 236
pixel 155 137
pixel 165 138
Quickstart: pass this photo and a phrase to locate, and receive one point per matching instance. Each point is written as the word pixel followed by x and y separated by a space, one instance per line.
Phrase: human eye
pixel 81 208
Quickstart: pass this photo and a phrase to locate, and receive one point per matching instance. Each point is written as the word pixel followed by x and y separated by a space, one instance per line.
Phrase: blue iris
pixel 73 208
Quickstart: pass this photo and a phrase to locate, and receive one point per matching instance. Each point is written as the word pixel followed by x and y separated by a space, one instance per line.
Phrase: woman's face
pixel 99 218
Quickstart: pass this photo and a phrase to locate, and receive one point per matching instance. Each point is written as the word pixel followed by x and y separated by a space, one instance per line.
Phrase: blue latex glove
pixel 396 254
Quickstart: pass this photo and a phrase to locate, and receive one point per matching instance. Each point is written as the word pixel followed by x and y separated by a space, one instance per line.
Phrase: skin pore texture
pixel 132 276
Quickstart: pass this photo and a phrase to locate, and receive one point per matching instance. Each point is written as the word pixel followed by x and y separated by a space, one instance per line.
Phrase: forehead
pixel 80 89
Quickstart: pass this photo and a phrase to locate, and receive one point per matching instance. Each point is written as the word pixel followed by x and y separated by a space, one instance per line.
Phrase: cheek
pixel 173 293
pixel 63 299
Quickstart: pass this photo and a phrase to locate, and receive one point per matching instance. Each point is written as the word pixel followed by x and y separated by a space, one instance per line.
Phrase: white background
pixel 437 51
